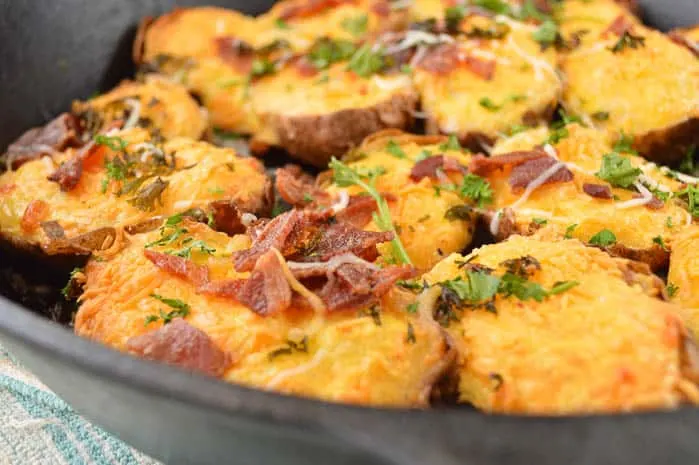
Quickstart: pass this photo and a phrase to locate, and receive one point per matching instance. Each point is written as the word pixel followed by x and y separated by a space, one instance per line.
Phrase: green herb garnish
pixel 355 25
pixel 451 144
pixel 569 231
pixel 394 149
pixel 659 240
pixel 627 40
pixel 603 238
pixel 618 171
pixel 367 61
pixel 671 289
pixel 113 142
pixel 476 189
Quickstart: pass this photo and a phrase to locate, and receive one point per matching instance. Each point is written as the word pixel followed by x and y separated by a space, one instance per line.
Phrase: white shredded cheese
pixel 413 38
pixel 334 263
pixel 495 223
pixel 313 300
pixel 645 198
pixel 135 113
pixel 391 84
pixel 342 201
pixel 297 370
pixel 182 204
pixel 247 219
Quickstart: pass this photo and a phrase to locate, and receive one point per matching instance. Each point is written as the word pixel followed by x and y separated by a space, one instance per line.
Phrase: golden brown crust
pixel 138 49
pixel 314 139
pixel 669 145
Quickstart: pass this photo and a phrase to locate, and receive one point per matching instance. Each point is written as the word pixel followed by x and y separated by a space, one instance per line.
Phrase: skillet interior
pixel 184 418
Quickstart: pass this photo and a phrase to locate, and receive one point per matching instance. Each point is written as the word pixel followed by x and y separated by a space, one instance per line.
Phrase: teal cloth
pixel 38 427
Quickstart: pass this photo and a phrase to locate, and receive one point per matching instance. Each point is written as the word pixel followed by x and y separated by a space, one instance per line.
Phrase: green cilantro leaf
pixel 618 171
pixel 659 240
pixel 569 231
pixel 113 142
pixel 603 238
pixel 367 61
pixel 477 189
pixel 355 25
pixel 671 289
pixel 394 149
pixel 562 286
pixel 451 144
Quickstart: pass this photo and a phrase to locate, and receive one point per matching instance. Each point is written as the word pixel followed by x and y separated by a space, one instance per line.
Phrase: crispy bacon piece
pixel 57 135
pixel 381 8
pixel 353 285
pixel 428 167
pixel 306 8
pixel 522 175
pixel 679 39
pixel 274 234
pixel 655 204
pixel 294 186
pixel 445 58
pixel 180 267
pixel 266 291
pixel 179 343
pixel 34 214
pixel 620 25
pixel 342 238
pixel 68 174
pixel 304 67
pixel 598 191
pixel 236 53
pixel 358 212
pixel 482 165
pixel 227 217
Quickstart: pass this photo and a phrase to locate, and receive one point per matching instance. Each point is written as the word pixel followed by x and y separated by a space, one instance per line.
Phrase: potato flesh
pixel 584 350
pixel 350 358
pixel 684 275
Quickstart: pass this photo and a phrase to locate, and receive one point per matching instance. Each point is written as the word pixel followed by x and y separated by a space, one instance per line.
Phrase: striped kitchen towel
pixel 39 428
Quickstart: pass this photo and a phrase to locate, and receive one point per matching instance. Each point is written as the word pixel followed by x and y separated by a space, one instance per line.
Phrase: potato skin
pixel 601 346
pixel 349 357
pixel 314 139
pixel 669 145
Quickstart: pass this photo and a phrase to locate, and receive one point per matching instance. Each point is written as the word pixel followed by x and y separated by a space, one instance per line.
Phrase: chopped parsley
pixel 618 171
pixel 394 149
pixel 603 238
pixel 458 212
pixel 308 198
pixel 671 289
pixel 600 116
pixel 344 176
pixel 146 198
pixel 540 221
pixel 668 222
pixel 193 245
pixel 488 104
pixel 355 25
pixel 325 52
pixel 516 129
pixel 412 308
pixel 367 61
pixel 406 69
pixel 557 135
pixel 547 34
pixel 451 144
pixel 477 189
pixel 453 16
pixel 562 286
pixel 71 289
pixel 624 145
pixel 410 284
pixel 262 67
pixel 281 24
pixel 424 154
pixel 113 142
pixel 216 190
pixel 628 40
pixel 659 240
pixel 688 165
pixel 569 231
pixel 692 194
pixel 478 287
pixel 179 310
pixel 289 348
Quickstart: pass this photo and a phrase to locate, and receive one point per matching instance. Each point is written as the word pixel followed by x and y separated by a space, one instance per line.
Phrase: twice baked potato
pixel 422 179
pixel 378 354
pixel 683 276
pixel 481 85
pixel 634 81
pixel 82 200
pixel 581 185
pixel 554 328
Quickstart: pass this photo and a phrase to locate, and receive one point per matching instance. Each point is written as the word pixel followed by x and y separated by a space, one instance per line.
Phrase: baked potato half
pixel 687 37
pixel 422 179
pixel 493 76
pixel 82 200
pixel 556 328
pixel 378 354
pixel 316 114
pixel 603 78
pixel 581 185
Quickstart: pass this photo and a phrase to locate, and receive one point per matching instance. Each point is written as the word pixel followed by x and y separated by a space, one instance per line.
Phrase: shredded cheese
pixel 313 300
pixel 135 113
pixel 297 370
pixel 646 197
pixel 342 201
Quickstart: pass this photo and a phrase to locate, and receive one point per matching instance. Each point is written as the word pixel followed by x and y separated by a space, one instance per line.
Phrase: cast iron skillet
pixel 54 51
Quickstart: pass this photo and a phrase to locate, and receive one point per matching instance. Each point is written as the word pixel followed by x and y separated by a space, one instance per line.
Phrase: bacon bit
pixel 58 134
pixel 381 8
pixel 34 214
pixel 266 291
pixel 7 188
pixel 544 6
pixel 522 175
pixel 274 234
pixel 679 39
pixel 655 204
pixel 236 53
pixel 354 286
pixel 306 8
pixel 294 186
pixel 598 191
pixel 227 217
pixel 305 68
pixel 620 25
pixel 180 267
pixel 68 174
pixel 358 212
pixel 341 238
pixel 179 343
pixel 484 69
pixel 428 167
pixel 445 58
pixel 482 165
